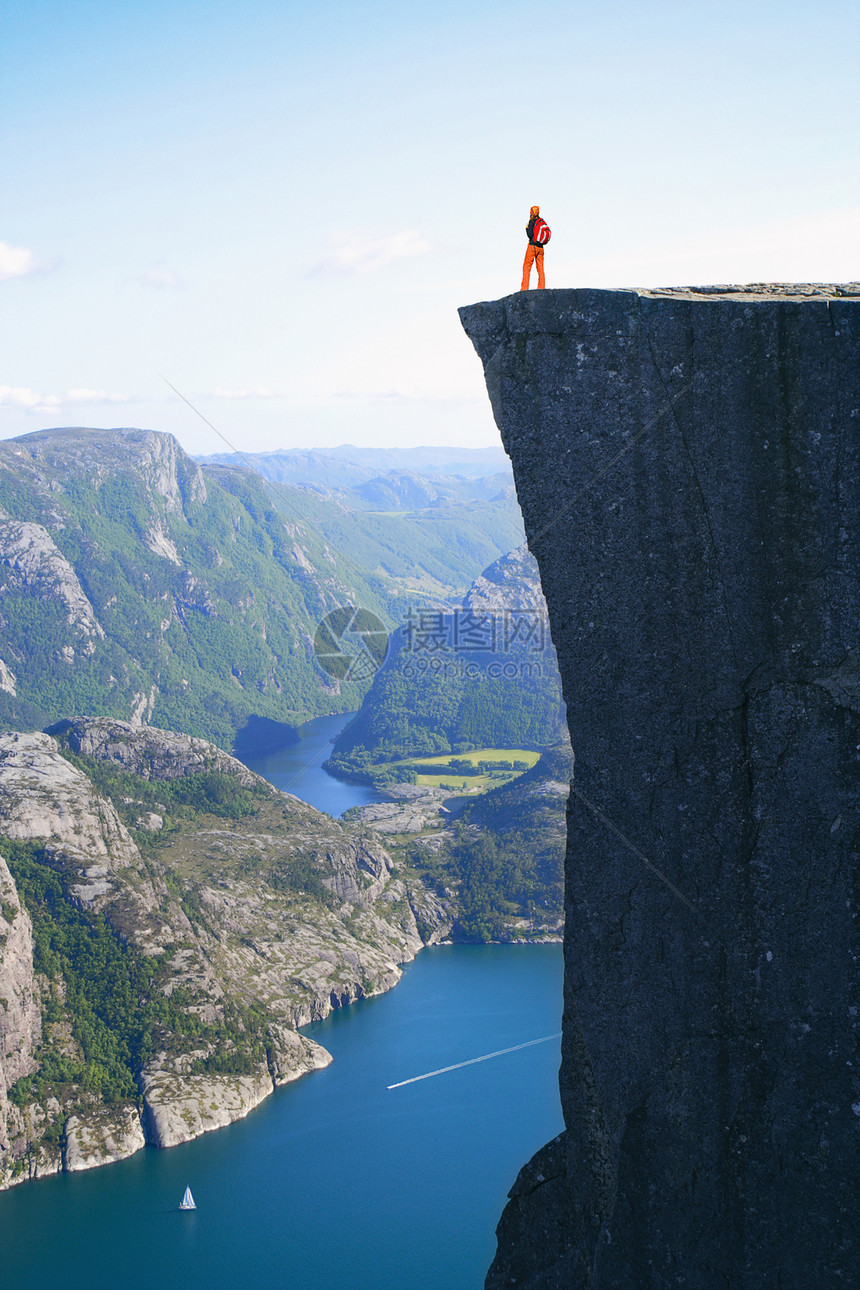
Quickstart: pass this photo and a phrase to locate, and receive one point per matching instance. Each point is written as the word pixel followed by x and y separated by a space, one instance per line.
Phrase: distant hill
pixel 346 466
pixel 435 550
pixel 395 492
pixel 386 479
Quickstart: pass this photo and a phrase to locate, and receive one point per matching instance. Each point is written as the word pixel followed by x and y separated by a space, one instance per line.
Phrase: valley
pixel 170 918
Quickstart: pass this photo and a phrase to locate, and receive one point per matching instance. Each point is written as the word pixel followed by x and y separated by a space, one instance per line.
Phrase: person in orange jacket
pixel 534 253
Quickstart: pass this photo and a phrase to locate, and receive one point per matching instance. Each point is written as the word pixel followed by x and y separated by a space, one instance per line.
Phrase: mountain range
pixel 138 584
pixel 167 918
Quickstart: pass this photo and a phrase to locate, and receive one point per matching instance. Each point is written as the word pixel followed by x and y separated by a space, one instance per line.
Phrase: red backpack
pixel 540 232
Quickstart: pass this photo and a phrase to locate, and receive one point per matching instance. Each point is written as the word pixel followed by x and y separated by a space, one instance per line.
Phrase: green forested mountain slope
pixel 436 549
pixel 507 851
pixel 133 582
pixel 498 857
pixel 438 693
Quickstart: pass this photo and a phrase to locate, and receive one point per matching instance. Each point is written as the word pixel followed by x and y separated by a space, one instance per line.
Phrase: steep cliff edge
pixel 688 465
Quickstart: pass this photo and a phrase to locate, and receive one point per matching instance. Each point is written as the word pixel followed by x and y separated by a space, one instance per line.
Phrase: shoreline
pixel 118 1133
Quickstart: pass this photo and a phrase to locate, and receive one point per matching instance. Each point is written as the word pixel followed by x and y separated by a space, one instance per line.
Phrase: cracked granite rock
pixel 180 1106
pixel 688 465
pixel 107 1134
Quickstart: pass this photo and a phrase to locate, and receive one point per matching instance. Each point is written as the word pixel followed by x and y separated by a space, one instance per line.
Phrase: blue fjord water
pixel 335 1182
pixel 298 768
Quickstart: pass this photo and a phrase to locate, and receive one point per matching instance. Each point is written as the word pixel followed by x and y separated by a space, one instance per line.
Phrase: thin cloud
pixel 258 392
pixel 357 253
pixel 94 396
pixel 20 396
pixel 19 262
pixel 404 397
pixel 162 278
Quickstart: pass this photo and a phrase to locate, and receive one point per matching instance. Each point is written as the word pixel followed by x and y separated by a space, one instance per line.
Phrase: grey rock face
pixel 20 1015
pixel 34 561
pixel 107 1134
pixel 179 1107
pixel 412 809
pixel 146 750
pixel 512 582
pixel 44 798
pixel 688 465
pixel 291 1055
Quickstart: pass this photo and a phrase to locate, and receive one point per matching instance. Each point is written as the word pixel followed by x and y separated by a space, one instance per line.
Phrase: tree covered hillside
pixel 134 583
pixel 505 854
pixel 484 675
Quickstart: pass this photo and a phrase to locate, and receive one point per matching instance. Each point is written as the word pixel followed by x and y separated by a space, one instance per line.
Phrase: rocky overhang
pixel 688 466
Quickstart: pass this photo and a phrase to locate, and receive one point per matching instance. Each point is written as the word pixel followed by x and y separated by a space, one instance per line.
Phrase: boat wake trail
pixel 530 1043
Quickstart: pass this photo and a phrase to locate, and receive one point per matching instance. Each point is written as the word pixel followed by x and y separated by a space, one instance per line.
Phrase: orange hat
pixel 535 210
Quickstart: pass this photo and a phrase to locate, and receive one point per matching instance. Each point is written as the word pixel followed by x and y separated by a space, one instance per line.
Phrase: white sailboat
pixel 187 1201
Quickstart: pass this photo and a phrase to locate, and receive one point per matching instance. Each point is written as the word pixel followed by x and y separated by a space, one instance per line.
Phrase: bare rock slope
pixel 235 912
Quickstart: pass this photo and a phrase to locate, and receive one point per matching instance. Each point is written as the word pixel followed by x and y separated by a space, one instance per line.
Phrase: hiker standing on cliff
pixel 537 231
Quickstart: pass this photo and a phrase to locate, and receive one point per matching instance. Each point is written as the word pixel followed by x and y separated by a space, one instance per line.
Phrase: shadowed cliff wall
pixel 688 466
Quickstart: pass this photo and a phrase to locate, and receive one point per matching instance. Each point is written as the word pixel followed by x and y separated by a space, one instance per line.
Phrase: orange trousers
pixel 533 254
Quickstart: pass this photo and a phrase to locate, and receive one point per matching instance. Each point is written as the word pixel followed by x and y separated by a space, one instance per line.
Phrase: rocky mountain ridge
pixel 235 913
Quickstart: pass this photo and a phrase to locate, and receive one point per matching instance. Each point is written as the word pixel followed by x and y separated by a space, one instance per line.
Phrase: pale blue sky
pixel 279 206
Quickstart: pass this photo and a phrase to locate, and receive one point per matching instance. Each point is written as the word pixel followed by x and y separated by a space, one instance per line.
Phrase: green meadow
pixel 470 772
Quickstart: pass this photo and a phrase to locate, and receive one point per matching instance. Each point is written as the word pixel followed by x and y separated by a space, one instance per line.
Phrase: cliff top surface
pixel 758 291
pixel 557 309
pixel 745 292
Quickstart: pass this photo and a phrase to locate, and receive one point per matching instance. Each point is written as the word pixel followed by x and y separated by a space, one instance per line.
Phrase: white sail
pixel 187 1201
